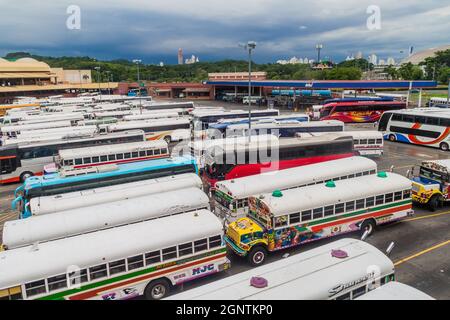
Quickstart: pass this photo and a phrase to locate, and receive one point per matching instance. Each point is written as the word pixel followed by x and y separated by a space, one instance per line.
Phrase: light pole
pixel 107 77
pixel 98 80
pixel 318 48
pixel 251 45
pixel 137 61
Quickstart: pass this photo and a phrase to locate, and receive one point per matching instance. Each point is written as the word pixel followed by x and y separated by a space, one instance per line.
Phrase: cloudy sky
pixel 153 30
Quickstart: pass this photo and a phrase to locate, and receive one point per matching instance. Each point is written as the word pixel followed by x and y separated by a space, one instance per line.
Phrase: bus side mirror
pixel 365 235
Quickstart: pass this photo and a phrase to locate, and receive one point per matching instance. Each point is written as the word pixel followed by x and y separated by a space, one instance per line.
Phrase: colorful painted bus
pixel 358 111
pixel 288 218
pixel 145 258
pixel 241 160
pixel 108 154
pixel 26 159
pixel 418 126
pixel 432 185
pixel 58 183
pixel 341 270
pixel 231 196
pixel 63 224
pixel 86 198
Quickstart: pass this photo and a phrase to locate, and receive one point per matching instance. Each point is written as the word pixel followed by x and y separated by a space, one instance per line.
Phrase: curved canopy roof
pixel 23 65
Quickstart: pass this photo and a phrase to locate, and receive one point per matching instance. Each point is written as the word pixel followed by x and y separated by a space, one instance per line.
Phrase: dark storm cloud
pixel 154 30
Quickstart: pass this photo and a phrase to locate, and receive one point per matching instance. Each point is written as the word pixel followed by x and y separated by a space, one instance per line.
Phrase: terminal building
pixel 29 77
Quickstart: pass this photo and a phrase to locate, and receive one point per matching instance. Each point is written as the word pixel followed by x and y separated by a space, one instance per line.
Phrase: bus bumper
pixel 235 248
pixel 418 199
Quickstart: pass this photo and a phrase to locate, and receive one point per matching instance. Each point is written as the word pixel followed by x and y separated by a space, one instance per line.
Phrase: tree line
pixel 435 68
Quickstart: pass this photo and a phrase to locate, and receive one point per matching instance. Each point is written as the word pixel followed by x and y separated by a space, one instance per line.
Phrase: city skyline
pixel 153 31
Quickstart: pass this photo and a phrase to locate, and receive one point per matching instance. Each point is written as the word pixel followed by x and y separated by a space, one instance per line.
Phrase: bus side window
pixel 358 292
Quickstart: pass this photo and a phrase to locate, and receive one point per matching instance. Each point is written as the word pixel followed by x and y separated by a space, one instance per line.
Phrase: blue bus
pixel 217 130
pixel 52 184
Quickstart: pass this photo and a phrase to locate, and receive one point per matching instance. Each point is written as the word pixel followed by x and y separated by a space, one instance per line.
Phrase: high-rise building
pixel 180 56
pixel 359 55
pixel 373 58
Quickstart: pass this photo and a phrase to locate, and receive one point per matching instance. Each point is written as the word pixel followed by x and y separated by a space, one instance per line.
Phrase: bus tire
pixel 434 202
pixel 157 289
pixel 25 175
pixel 168 139
pixel 257 256
pixel 392 138
pixel 444 146
pixel 368 225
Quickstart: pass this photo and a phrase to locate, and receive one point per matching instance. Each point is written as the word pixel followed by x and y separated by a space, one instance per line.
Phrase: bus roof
pixel 280 143
pixel 294 177
pixel 314 274
pixel 275 124
pixel 135 124
pixel 234 112
pixel 442 165
pixel 122 169
pixel 35 126
pixel 305 198
pixel 111 148
pixel 395 291
pixel 74 137
pixel 68 223
pixel 71 200
pixel 438 112
pixel 363 134
pixel 205 144
pixel 39 261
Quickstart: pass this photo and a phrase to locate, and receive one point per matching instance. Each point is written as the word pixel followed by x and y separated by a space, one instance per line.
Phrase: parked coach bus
pixel 145 258
pixel 63 224
pixel 422 127
pixel 241 160
pixel 341 270
pixel 285 129
pixel 365 143
pixel 109 154
pixel 167 129
pixel 202 120
pixel 288 218
pixel 13 131
pixel 358 111
pixel 218 130
pixel 231 196
pixel 18 162
pixel 59 183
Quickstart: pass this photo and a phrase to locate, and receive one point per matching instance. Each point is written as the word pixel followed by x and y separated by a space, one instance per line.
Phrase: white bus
pixel 285 129
pixel 199 147
pixel 145 258
pixel 14 130
pixel 150 115
pixel 365 143
pixel 341 270
pixel 62 224
pixel 284 219
pixel 439 102
pixel 91 197
pixel 18 162
pixel 108 154
pixel 24 119
pixel 422 127
pixel 167 129
pixel 231 196
pixel 395 291
pixel 202 120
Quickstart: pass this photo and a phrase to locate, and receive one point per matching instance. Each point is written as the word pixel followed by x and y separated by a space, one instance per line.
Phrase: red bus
pixel 358 111
pixel 235 161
